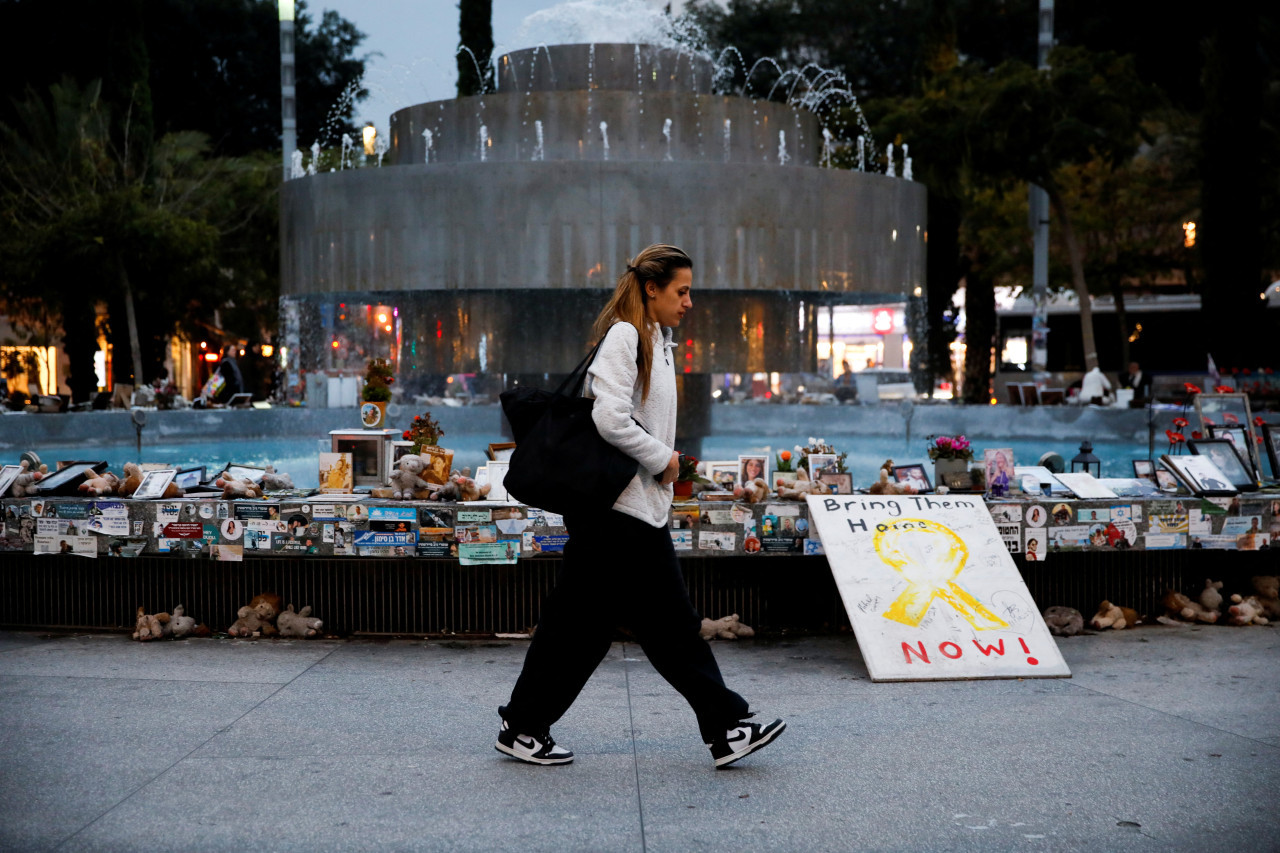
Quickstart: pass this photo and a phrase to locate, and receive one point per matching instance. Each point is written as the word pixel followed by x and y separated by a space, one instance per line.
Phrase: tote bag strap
pixel 573 383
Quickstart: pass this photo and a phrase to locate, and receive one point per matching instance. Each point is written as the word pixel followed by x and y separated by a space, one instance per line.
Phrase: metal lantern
pixel 1085 460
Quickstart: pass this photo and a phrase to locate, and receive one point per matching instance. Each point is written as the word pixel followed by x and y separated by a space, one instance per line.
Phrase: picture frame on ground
pixel 1216 410
pixel 751 466
pixel 1200 475
pixel 1226 458
pixel 1167 481
pixel 337 474
pixel 723 475
pixel 1239 437
pixel 913 476
pixel 840 481
pixel 66 480
pixel 501 451
pixel 1270 440
pixel 154 483
pixel 821 462
pixel 1144 469
pixel 190 478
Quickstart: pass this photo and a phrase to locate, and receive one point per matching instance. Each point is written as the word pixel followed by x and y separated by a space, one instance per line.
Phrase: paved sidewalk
pixel 1164 739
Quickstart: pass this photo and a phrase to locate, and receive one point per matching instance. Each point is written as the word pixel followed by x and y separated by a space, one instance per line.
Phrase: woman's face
pixel 667 305
pixel 752 468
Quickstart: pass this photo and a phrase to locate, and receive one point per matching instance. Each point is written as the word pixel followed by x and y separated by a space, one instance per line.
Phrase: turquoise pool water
pixel 298 456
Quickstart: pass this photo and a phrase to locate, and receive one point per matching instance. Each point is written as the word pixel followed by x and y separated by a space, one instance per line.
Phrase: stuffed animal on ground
pixel 233 489
pixel 884 486
pixel 727 628
pixel 1179 607
pixel 406 481
pixel 753 492
pixel 258 617
pixel 803 487
pixel 450 491
pixel 25 484
pixel 1063 621
pixel 300 624
pixel 1245 611
pixel 1266 590
pixel 133 476
pixel 467 488
pixel 247 624
pixel 1210 598
pixel 1111 616
pixel 180 625
pixel 148 626
pixel 271 481
pixel 99 485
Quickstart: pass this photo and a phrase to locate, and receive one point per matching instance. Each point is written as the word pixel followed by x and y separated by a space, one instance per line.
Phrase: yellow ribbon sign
pixel 929 556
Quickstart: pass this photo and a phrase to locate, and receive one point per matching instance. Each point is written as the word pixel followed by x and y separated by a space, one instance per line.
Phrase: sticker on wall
pixel 232 529
pixel 1037 545
pixel 1036 516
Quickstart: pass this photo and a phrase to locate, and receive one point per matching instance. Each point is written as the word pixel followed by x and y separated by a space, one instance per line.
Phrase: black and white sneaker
pixel 531 749
pixel 744 739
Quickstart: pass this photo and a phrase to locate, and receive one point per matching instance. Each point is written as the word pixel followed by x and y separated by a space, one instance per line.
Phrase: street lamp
pixel 370 139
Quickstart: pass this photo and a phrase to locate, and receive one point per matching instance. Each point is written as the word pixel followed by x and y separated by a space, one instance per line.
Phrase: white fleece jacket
pixel 613 381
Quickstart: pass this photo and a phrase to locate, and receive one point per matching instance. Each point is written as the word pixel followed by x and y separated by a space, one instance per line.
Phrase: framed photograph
pixel 8 474
pixel 1167 481
pixel 240 401
pixel 501 451
pixel 820 463
pixel 1217 410
pixel 400 449
pixel 752 466
pixel 190 478
pixel 914 476
pixel 153 484
pixel 337 476
pixel 1145 469
pixel 66 481
pixel 1200 475
pixel 723 475
pixel 841 481
pixel 1226 458
pixel 997 462
pixel 1239 438
pixel 1270 440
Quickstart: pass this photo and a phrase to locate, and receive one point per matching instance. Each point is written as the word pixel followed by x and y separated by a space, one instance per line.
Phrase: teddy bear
pixel 98 485
pixel 247 623
pixel 180 625
pixel 1063 621
pixel 727 628
pixel 406 481
pixel 300 624
pixel 802 488
pixel 753 492
pixel 467 488
pixel 24 485
pixel 271 481
pixel 1245 611
pixel 148 626
pixel 243 488
pixel 1178 606
pixel 258 617
pixel 1266 590
pixel 1111 616
pixel 450 491
pixel 884 486
pixel 1210 598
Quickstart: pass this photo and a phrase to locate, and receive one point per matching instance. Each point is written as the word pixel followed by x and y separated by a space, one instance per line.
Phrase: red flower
pixel 1191 389
pixel 1208 420
pixel 1258 421
pixel 1229 418
pixel 406 434
pixel 1245 371
pixel 417 418
pixel 1223 389
pixel 1180 422
pixel 1175 437
pixel 1195 433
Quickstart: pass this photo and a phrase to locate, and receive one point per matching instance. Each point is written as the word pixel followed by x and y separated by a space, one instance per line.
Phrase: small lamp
pixel 1085 460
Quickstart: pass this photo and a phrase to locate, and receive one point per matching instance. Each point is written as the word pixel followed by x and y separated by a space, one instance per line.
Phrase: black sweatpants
pixel 618 570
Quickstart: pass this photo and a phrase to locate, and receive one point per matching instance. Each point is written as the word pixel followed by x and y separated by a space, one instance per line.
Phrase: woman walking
pixel 639 585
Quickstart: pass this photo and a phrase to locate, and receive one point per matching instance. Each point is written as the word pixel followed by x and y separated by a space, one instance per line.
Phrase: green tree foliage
pixel 208 65
pixel 475 34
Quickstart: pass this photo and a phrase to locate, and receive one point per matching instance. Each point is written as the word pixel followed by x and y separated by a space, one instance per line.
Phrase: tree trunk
pixel 979 334
pixel 942 274
pixel 1077 279
pixel 132 317
pixel 80 340
pixel 1122 320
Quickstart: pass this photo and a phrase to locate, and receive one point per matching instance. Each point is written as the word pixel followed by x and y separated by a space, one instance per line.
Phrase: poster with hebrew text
pixel 931 590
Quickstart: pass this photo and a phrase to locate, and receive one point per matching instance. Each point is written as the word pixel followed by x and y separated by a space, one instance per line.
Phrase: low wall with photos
pixel 387 567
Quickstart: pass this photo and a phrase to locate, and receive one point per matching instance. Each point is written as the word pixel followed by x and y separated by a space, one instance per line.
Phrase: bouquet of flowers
pixel 424 432
pixel 950 447
pixel 377 381
pixel 689 471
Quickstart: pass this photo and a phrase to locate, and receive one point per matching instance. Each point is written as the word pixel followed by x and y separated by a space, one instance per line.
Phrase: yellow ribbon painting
pixel 930 556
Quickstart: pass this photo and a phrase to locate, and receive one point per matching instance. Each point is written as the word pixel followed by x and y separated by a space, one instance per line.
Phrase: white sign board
pixel 931 589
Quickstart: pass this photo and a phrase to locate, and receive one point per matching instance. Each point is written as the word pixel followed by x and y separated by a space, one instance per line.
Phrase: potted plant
pixel 376 393
pixel 951 454
pixel 784 472
pixel 683 486
pixel 425 434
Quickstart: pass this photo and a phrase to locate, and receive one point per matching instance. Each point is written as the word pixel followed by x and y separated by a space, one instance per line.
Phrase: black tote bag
pixel 560 462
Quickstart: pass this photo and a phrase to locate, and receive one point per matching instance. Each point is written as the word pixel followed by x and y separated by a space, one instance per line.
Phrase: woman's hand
pixel 672 471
